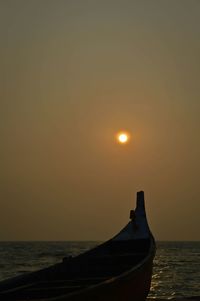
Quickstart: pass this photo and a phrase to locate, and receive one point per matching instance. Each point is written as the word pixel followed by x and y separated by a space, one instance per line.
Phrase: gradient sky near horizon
pixel 73 74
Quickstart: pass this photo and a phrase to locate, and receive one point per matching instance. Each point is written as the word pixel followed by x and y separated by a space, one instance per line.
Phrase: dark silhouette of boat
pixel 117 270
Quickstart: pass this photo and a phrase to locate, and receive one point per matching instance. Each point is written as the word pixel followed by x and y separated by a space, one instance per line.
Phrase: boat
pixel 119 269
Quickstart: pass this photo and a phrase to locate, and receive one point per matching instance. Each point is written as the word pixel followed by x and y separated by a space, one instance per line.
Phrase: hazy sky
pixel 75 72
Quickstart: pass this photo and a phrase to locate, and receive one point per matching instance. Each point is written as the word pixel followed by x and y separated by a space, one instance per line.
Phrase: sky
pixel 73 74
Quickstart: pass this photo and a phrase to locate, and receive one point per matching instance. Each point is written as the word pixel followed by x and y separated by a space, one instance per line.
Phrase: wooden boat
pixel 117 270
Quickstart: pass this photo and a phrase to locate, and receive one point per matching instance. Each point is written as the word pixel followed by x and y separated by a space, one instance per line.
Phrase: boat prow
pixel 117 270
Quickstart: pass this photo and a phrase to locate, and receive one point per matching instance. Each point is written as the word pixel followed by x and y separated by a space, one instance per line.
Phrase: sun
pixel 123 137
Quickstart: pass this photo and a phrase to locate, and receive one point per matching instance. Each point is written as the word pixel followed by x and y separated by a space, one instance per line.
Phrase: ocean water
pixel 176 270
pixel 176 265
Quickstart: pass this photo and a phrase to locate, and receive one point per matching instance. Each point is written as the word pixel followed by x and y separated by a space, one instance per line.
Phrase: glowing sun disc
pixel 122 137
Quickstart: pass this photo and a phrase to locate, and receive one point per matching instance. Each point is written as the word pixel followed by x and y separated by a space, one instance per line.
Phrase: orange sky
pixel 73 73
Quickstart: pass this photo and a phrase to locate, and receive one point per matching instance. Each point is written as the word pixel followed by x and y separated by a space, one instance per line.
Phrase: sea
pixel 176 271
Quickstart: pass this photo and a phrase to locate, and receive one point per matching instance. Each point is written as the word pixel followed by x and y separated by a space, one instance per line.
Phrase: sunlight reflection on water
pixel 176 273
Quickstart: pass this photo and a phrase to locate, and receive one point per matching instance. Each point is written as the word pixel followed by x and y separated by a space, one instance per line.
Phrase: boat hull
pixel 117 270
pixel 134 286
